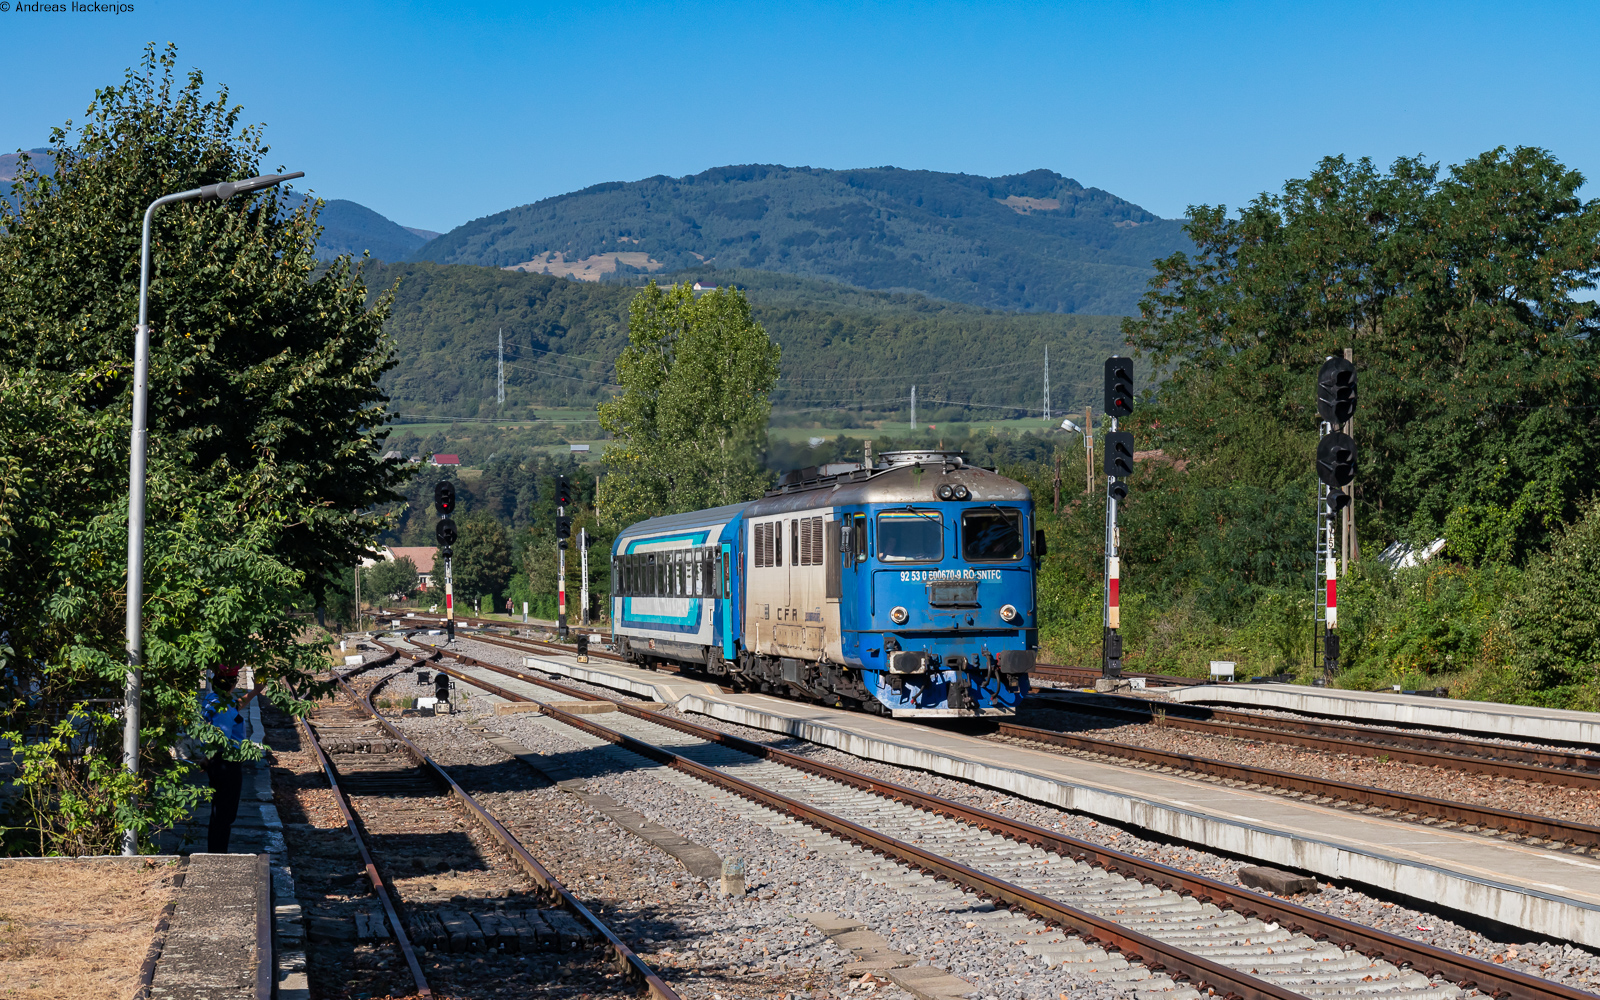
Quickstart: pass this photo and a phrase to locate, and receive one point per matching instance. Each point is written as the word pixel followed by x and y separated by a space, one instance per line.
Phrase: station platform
pixel 1483 718
pixel 1545 892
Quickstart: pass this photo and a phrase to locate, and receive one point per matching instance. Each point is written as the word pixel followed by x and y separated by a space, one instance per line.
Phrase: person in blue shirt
pixel 225 710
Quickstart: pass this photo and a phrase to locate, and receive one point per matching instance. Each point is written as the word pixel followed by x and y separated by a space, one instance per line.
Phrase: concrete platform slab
pixel 1483 718
pixel 1545 892
pixel 211 951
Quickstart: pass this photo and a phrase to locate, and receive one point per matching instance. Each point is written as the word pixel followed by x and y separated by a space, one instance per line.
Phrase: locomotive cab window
pixel 910 536
pixel 991 534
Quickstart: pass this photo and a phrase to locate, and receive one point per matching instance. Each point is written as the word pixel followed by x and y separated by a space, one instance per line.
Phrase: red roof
pixel 446 460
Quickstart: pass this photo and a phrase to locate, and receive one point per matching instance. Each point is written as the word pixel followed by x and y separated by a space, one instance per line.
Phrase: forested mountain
pixel 348 227
pixel 843 348
pixel 1034 242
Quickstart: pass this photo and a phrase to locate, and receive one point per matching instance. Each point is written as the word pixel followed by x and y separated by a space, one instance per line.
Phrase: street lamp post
pixel 133 628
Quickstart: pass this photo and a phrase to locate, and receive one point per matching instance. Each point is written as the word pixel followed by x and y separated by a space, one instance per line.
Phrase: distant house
pixel 447 460
pixel 420 555
pixel 701 286
pixel 393 455
pixel 580 447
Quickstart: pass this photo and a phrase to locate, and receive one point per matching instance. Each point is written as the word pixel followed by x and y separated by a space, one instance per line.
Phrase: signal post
pixel 1118 467
pixel 563 532
pixel 444 501
pixel 1336 468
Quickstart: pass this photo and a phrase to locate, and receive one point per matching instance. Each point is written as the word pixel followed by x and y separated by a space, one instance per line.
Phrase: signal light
pixel 445 533
pixel 1336 459
pixel 563 492
pixel 1119 454
pixel 1119 387
pixel 1338 500
pixel 1336 391
pixel 444 497
pixel 441 687
pixel 1118 490
pixel 563 527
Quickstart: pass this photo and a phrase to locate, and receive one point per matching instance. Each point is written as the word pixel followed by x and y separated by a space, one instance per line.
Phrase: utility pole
pixel 1056 482
pixel 1088 447
pixel 583 581
pixel 358 595
pixel 1047 383
pixel 500 390
pixel 913 425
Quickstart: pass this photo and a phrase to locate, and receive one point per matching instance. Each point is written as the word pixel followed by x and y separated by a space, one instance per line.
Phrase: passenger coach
pixel 905 588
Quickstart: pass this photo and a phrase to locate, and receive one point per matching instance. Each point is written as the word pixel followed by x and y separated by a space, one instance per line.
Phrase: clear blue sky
pixel 434 114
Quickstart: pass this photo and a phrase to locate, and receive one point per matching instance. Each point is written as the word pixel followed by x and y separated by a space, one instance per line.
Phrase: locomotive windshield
pixel 991 534
pixel 910 536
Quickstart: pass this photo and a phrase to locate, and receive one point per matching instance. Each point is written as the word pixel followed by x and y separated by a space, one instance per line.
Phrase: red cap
pixel 226 670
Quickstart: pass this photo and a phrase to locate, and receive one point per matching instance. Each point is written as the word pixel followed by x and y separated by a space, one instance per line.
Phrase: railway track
pixel 1553 765
pixel 1551 833
pixel 443 877
pixel 1118 908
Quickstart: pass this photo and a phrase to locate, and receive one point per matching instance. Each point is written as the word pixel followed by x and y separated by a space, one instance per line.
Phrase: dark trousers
pixel 227 781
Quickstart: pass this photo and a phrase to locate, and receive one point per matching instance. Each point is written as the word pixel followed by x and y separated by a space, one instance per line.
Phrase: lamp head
pixel 227 189
pixel 1068 425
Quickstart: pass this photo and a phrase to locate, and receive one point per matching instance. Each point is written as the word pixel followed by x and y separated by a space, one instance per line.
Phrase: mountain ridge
pixel 1030 242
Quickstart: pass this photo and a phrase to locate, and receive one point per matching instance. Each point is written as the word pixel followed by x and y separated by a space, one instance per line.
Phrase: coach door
pixel 725 579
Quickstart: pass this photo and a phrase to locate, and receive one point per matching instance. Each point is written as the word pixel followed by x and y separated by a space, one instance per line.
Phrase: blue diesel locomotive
pixel 903 588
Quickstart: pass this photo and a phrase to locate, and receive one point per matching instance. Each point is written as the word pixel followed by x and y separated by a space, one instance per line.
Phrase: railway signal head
pixel 445 534
pixel 1336 459
pixel 1117 490
pixel 563 527
pixel 441 686
pixel 1336 391
pixel 563 492
pixel 1338 500
pixel 1119 454
pixel 1119 387
pixel 444 497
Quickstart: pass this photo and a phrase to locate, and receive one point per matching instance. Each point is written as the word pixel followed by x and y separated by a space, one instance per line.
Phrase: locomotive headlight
pixel 962 493
pixel 1009 613
pixel 899 616
pixel 946 491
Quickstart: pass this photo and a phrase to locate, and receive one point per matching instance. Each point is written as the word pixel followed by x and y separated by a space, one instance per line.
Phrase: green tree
pixel 265 418
pixel 690 425
pixel 1554 620
pixel 390 576
pixel 1478 367
pixel 482 560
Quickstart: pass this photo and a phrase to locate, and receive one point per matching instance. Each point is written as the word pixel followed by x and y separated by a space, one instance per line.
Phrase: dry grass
pixel 77 930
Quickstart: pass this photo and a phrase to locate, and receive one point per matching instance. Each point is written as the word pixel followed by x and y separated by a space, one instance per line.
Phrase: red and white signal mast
pixel 1118 467
pixel 1336 468
pixel 444 501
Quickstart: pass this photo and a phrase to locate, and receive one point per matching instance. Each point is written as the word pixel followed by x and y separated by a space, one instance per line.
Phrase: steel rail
pixel 1260 728
pixel 1552 757
pixel 1430 960
pixel 628 963
pixel 1156 955
pixel 371 869
pixel 1562 831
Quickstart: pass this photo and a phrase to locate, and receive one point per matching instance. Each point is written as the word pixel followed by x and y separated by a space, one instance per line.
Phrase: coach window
pixel 859 546
pixel 991 534
pixel 777 543
pixel 910 536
